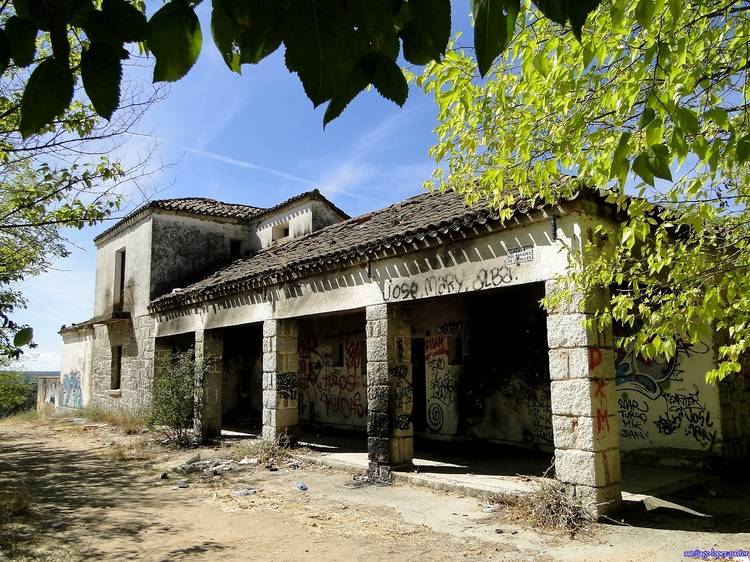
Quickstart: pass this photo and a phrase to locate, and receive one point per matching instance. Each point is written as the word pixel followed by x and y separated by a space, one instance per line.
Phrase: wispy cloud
pixel 234 161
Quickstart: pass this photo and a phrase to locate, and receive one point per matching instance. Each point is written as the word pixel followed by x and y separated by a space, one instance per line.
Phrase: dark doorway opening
pixel 242 384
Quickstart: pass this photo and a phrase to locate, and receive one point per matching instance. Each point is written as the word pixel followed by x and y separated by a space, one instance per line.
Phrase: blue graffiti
pixel 71 395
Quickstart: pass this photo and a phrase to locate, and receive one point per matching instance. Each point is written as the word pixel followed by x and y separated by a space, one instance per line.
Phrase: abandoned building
pixel 421 320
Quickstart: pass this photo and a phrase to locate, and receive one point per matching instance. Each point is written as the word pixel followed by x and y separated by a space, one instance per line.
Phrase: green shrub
pixel 15 393
pixel 173 396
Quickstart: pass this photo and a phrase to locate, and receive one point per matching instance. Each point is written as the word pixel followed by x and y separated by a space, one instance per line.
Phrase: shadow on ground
pixel 76 490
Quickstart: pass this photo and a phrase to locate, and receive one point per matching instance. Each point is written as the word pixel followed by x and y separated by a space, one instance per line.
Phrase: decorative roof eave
pixel 470 225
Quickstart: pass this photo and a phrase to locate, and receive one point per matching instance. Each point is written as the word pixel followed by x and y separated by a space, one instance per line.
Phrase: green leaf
pixel 101 71
pixel 642 169
pixel 389 80
pixel 647 116
pixel 23 336
pixel 265 31
pixel 4 51
pixel 675 7
pixel 48 93
pixel 320 47
pixel 578 11
pixel 126 21
pixel 226 33
pixel 743 149
pixel 687 120
pixel 175 39
pixel 494 22
pixel 376 20
pixel 357 81
pixel 554 10
pixel 644 13
pixel 425 35
pixel 22 36
pixel 657 159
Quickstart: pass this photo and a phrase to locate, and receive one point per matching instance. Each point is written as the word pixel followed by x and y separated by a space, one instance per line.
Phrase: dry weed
pixel 14 502
pixel 264 450
pixel 140 450
pixel 129 422
pixel 549 507
pixel 27 416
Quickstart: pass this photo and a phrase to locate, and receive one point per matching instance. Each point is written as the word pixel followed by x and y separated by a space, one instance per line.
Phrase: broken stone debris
pixel 180 484
pixel 249 461
pixel 301 486
pixel 245 492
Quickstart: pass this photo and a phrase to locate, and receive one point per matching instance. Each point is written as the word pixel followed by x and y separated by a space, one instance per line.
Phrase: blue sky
pixel 253 139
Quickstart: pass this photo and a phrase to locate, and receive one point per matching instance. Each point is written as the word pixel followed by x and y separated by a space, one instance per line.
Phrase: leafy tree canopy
pixel 651 108
pixel 58 178
pixel 337 47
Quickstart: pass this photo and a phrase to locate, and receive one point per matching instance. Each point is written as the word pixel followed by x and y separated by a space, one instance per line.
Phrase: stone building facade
pixel 417 321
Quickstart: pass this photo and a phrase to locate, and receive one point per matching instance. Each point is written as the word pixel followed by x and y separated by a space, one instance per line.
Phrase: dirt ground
pixel 89 499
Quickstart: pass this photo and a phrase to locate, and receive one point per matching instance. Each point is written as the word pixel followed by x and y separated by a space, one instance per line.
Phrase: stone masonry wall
pixel 584 411
pixel 280 377
pixel 136 337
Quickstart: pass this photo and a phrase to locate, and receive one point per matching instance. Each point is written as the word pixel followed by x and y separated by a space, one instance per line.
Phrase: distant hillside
pixel 33 375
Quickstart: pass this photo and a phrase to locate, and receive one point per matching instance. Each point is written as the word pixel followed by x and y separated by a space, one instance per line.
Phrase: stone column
pixel 390 431
pixel 584 405
pixel 209 347
pixel 280 377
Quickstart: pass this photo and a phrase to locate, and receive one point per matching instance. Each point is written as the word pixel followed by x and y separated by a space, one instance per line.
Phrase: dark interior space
pixel 242 383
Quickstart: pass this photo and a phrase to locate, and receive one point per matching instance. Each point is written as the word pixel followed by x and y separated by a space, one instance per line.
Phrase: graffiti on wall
pixel 648 401
pixel 651 377
pixel 71 395
pixel 687 414
pixel 633 417
pixel 328 391
pixel 448 284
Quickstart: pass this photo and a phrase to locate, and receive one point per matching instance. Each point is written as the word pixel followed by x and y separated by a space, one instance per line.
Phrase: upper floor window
pixel 280 231
pixel 119 292
pixel 235 248
pixel 116 368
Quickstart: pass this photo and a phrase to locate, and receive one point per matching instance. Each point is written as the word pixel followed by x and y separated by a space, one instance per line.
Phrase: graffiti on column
pixel 71 395
pixel 287 385
pixel 402 396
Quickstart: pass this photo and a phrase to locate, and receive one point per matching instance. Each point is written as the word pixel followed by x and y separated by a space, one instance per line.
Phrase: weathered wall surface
pixel 668 404
pixel 136 337
pixel 734 394
pixel 76 365
pixel 47 394
pixel 332 372
pixel 137 244
pixel 187 248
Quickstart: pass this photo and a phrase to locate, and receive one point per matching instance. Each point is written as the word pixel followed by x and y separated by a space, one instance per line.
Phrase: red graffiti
pixel 599 390
pixel 602 420
pixel 595 358
pixel 353 355
pixel 434 346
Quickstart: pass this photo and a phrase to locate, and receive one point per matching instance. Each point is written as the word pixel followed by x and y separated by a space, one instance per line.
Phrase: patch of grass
pixel 14 502
pixel 27 416
pixel 140 450
pixel 549 507
pixel 129 422
pixel 265 451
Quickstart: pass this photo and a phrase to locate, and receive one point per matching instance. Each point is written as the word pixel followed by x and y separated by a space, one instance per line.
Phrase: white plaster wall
pixel 299 217
pixel 137 243
pixel 76 368
pixel 668 404
pixel 460 267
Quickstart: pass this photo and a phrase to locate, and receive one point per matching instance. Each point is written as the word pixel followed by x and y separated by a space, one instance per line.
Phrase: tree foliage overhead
pixel 59 178
pixel 650 108
pixel 337 47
